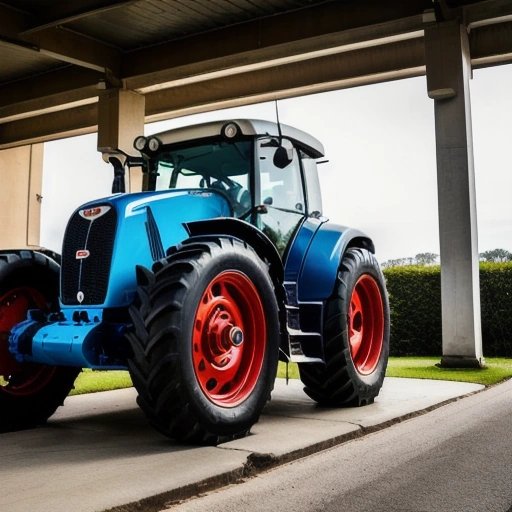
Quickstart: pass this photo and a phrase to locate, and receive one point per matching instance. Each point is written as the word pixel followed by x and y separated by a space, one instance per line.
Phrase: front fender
pixel 322 260
pixel 263 247
pixel 244 231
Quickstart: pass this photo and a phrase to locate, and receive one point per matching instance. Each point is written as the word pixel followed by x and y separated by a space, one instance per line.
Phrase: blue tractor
pixel 198 285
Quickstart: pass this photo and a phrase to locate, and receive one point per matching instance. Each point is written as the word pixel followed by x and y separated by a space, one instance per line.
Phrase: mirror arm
pixel 118 185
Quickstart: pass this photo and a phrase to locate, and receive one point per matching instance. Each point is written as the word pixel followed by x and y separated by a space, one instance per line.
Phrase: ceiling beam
pixel 296 51
pixel 67 46
pixel 487 10
pixel 491 44
pixel 67 12
pixel 60 44
pixel 210 56
pixel 369 65
pixel 332 23
pixel 25 97
pixel 65 123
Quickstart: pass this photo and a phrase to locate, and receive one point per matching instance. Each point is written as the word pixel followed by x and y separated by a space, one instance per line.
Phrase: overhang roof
pixel 194 55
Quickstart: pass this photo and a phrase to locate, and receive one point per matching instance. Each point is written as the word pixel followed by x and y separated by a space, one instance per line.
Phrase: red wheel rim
pixel 366 324
pixel 15 378
pixel 229 339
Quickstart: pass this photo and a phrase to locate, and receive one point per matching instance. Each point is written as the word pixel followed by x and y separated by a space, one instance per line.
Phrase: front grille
pixel 88 275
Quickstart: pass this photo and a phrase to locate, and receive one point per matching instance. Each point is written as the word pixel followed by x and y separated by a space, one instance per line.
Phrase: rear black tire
pixel 356 336
pixel 205 341
pixel 29 393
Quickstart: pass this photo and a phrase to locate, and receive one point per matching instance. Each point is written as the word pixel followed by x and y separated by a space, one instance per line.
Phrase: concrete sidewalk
pixel 98 451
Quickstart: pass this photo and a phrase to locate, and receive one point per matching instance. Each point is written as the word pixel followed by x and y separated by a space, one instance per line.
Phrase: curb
pixel 260 462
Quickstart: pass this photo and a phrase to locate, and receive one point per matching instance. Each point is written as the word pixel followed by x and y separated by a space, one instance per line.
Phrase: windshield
pixel 221 165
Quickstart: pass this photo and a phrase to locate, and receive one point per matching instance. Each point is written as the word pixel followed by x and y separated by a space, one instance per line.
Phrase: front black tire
pixel 205 341
pixel 356 336
pixel 29 393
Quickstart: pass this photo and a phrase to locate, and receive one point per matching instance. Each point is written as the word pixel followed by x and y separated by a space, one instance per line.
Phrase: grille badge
pixel 81 254
pixel 93 213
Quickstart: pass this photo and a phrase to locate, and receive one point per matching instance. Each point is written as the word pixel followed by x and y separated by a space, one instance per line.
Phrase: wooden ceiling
pixel 191 55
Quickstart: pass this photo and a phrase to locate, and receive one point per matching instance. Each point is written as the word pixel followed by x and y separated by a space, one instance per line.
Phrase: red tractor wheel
pixel 20 379
pixel 356 336
pixel 366 325
pixel 205 341
pixel 29 393
pixel 229 339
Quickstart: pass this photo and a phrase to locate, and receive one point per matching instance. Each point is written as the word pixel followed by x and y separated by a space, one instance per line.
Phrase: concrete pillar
pixel 448 73
pixel 120 120
pixel 21 172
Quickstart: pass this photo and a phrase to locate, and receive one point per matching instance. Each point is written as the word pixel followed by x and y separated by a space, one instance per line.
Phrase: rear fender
pixel 322 260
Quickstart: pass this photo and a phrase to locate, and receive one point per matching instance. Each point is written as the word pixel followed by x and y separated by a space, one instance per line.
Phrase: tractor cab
pixel 266 172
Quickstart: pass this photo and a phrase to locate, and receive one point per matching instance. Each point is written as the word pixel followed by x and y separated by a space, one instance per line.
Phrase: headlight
pixel 140 143
pixel 230 130
pixel 154 144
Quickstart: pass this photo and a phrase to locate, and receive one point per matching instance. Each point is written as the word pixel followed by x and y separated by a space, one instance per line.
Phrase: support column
pixel 21 172
pixel 120 120
pixel 448 73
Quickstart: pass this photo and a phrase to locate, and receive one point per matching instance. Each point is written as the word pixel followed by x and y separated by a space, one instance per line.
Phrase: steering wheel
pixel 239 197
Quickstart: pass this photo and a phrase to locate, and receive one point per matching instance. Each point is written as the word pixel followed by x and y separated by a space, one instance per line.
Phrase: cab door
pixel 279 191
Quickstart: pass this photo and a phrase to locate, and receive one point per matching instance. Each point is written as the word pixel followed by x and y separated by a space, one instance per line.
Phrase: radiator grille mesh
pixel 89 275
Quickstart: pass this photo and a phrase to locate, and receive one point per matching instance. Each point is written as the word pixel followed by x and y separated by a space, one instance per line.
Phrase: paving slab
pixel 292 421
pixel 98 452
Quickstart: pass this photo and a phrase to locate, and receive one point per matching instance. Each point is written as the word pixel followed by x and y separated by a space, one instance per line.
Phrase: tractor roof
pixel 251 127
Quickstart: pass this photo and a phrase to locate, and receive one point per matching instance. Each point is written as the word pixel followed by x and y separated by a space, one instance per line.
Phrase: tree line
pixel 431 258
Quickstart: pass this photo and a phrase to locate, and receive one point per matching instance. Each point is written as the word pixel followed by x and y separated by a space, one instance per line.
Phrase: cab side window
pixel 312 185
pixel 280 188
pixel 281 191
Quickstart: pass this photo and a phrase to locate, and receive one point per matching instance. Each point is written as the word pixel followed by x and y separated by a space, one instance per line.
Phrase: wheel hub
pixel 236 336
pixel 229 339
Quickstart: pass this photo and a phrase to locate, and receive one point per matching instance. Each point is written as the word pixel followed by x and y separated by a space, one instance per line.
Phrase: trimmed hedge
pixel 415 299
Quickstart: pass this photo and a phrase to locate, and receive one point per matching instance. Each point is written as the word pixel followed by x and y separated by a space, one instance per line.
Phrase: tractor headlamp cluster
pixel 147 144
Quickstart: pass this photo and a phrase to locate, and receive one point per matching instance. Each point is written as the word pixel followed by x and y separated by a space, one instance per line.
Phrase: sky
pixel 381 171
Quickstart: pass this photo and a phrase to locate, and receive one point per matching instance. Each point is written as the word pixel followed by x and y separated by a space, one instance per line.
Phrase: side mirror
pixel 283 155
pixel 281 158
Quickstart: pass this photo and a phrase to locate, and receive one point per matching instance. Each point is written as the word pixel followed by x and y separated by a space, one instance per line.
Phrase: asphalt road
pixel 456 458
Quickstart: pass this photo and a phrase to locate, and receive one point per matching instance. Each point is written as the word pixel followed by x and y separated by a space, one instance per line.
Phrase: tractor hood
pixel 106 239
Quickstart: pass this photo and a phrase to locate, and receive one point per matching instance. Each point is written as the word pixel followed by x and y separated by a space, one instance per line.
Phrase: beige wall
pixel 21 171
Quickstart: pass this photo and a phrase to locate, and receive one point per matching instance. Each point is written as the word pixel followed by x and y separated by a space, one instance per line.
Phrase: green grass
pixel 497 370
pixel 90 381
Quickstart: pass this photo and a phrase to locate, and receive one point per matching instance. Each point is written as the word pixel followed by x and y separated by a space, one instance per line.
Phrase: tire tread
pixel 155 340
